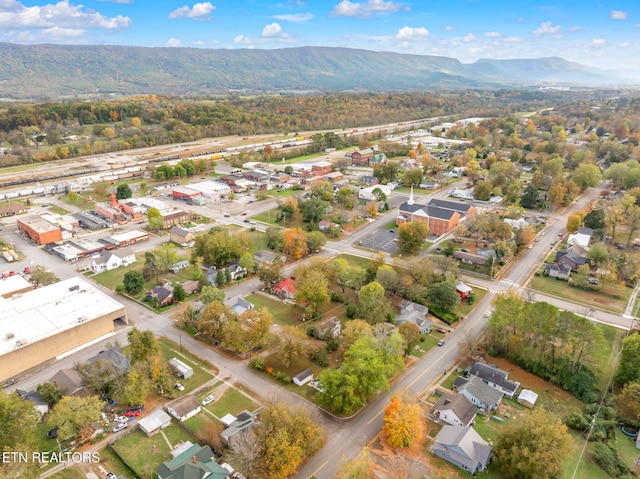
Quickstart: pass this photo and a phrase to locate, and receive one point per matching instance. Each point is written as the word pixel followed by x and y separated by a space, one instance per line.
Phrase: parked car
pixel 179 387
pixel 208 400
pixel 487 314
pixel 110 475
pixel 439 249
pixel 441 342
pixel 132 413
pixel 8 383
pixel 441 330
pixel 594 281
pixel 464 250
pixel 252 222
pixel 119 427
pixel 392 231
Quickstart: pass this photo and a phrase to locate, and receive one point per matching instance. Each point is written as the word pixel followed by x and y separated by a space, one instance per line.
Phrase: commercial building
pixel 211 189
pixel 175 217
pixel 38 230
pixel 15 284
pixel 36 326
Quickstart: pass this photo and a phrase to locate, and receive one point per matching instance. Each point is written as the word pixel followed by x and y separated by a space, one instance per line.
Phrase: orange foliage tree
pixel 295 243
pixel 403 422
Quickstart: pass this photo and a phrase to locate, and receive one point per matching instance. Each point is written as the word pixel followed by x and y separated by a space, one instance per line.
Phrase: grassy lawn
pixel 58 210
pixel 355 260
pixel 70 473
pixel 464 308
pixel 197 421
pixel 626 447
pixel 177 434
pixel 202 371
pixel 143 453
pixel 606 355
pixel 45 443
pixel 279 193
pixel 111 279
pixel 231 402
pixel 283 313
pixel 80 201
pixel 268 217
pixel 611 297
pixel 113 463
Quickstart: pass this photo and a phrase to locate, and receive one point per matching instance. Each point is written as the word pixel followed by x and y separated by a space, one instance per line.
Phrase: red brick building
pixel 39 230
pixel 442 216
pixel 362 157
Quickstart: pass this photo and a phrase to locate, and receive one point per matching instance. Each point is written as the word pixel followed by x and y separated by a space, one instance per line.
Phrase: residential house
pixel 303 377
pixel 494 377
pixel 329 328
pixel 34 396
pixel 68 381
pixel 197 307
pixel 480 393
pixel 115 357
pixel 558 271
pixel 108 260
pixel 571 259
pixel 266 256
pixel 197 462
pixel 470 258
pixel 243 421
pixel 362 157
pixel 455 409
pixel 463 447
pixel 181 236
pixel 190 287
pixel 369 180
pixel 428 185
pixel 286 288
pixel 162 294
pixel 236 270
pixel 486 253
pixel 154 422
pixel 581 238
pixel 325 225
pixel 527 398
pixel 414 313
pixel 180 265
pixel 183 408
pixel 518 224
pixel 238 304
pixel 378 159
pixel 463 290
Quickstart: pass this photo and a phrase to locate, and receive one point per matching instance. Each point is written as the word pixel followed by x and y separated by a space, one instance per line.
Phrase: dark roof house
pixel 455 409
pixel 494 377
pixel 115 357
pixel 463 447
pixel 480 393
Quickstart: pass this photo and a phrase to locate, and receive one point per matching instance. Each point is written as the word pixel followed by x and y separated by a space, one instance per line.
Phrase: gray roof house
pixel 243 421
pixel 463 447
pixel 115 357
pixel 415 313
pixel 266 256
pixel 558 271
pixel 494 377
pixel 238 304
pixel 34 396
pixel 183 408
pixel 455 409
pixel 68 381
pixel 480 393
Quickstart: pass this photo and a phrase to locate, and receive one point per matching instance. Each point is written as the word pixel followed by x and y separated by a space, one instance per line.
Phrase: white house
pixel 368 192
pixel 455 409
pixel 582 238
pixel 154 422
pixel 108 260
pixel 303 377
pixel 184 408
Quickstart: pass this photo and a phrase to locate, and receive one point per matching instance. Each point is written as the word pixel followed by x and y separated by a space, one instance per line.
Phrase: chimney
pixel 194 459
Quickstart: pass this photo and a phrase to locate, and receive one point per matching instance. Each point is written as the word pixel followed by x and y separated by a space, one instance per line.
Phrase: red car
pixel 132 413
pixel 442 330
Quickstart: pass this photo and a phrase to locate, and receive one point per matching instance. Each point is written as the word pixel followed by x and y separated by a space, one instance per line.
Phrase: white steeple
pixel 411 201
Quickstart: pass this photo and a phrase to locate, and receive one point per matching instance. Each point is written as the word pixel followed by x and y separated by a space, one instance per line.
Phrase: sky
pixel 598 34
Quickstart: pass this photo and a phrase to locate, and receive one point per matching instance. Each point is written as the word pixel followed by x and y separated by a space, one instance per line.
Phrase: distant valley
pixel 52 72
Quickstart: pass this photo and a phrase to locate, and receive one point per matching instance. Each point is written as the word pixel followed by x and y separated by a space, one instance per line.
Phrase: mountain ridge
pixel 47 71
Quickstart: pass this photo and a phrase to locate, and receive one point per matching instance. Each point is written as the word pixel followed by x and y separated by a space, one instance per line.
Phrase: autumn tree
pixel 534 447
pixel 155 220
pixel 573 223
pixel 628 401
pixel 72 413
pixel 411 236
pixel 629 365
pixel 295 243
pixel 43 277
pixel 270 273
pixel 18 419
pixel 312 292
pixel 315 241
pixel 403 422
pixel 288 435
pixel 411 335
pixel 354 330
pixel 373 306
pixel 143 345
pixel 211 293
pixel 290 344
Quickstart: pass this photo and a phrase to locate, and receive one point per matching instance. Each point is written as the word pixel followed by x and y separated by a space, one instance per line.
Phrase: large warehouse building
pixel 36 326
pixel 38 230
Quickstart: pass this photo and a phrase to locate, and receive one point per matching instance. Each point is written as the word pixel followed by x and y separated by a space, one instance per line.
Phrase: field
pixel 202 371
pixel 233 402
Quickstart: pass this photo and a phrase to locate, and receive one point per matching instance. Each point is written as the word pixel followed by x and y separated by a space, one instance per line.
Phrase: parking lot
pixel 384 241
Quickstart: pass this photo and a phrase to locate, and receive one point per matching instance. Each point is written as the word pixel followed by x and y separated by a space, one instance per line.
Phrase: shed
pixel 154 422
pixel 228 419
pixel 463 290
pixel 180 368
pixel 303 377
pixel 527 398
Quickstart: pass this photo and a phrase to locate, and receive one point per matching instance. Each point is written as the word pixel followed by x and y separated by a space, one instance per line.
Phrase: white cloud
pixel 618 15
pixel 271 30
pixel 546 28
pixel 412 34
pixel 449 28
pixel 624 44
pixel 117 1
pixel 295 18
pixel 598 42
pixel 59 17
pixel 199 11
pixel 513 40
pixel 365 10
pixel 492 34
pixel 469 37
pixel 577 28
pixel 520 19
pixel 242 40
pixel 173 42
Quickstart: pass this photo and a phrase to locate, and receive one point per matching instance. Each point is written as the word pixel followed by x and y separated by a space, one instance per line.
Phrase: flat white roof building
pixel 39 325
pixel 210 188
pixel 13 284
